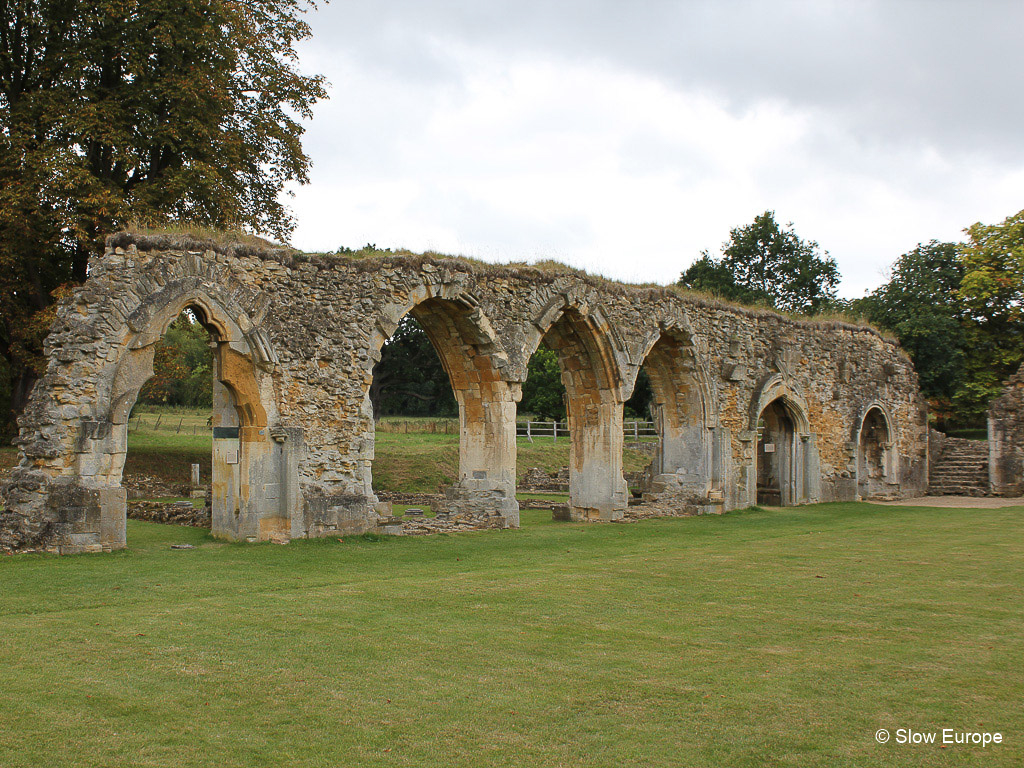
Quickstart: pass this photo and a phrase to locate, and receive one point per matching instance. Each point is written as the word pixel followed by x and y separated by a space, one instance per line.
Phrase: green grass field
pixel 761 638
pixel 414 462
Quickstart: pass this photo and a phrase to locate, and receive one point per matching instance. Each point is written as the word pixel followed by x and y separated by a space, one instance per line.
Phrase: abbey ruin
pixel 751 407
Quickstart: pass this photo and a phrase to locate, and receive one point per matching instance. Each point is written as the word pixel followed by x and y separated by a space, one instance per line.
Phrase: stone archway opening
pixel 415 416
pixel 243 494
pixel 597 490
pixel 170 428
pixel 777 460
pixel 682 463
pixel 874 456
pixel 249 499
pixel 461 339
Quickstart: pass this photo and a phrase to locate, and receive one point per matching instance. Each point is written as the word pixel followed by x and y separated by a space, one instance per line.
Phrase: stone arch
pixel 465 342
pixel 877 457
pixel 246 479
pixel 683 409
pixel 783 468
pixel 590 358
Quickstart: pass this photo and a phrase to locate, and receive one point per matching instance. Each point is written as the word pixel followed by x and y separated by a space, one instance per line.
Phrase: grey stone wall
pixel 297 337
pixel 1006 439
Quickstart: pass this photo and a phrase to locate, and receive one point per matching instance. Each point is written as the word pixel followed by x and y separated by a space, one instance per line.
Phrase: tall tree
pixel 763 263
pixel 543 390
pixel 992 291
pixel 114 111
pixel 409 379
pixel 921 304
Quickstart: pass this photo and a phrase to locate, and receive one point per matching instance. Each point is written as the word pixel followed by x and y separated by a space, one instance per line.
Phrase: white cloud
pixel 599 138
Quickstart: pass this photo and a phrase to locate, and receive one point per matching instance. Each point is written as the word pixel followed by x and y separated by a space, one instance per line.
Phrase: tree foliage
pixel 409 379
pixel 182 367
pixel 992 292
pixel 763 263
pixel 921 305
pixel 543 390
pixel 113 111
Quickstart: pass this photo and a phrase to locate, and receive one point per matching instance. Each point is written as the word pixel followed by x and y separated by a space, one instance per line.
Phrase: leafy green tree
pixel 921 305
pixel 992 292
pixel 714 277
pixel 763 263
pixel 409 379
pixel 113 111
pixel 543 390
pixel 182 367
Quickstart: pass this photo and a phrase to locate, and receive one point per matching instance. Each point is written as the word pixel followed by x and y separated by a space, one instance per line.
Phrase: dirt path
pixel 963 502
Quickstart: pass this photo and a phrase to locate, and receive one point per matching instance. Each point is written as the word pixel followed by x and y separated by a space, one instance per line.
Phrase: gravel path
pixel 963 502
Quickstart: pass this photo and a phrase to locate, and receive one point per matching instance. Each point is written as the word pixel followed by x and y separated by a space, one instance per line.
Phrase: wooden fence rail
pixel 632 430
pixel 635 430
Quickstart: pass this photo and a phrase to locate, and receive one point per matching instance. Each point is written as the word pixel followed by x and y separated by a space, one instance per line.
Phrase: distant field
pixel 781 638
pixel 406 462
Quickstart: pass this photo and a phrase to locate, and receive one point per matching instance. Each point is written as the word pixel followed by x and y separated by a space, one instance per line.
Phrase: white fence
pixel 631 430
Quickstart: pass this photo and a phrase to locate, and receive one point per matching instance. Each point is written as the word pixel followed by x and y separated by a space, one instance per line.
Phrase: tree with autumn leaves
pixel 118 111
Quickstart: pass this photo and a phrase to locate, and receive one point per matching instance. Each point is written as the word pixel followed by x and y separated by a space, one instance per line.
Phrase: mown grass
pixel 782 638
pixel 419 462
pixel 414 462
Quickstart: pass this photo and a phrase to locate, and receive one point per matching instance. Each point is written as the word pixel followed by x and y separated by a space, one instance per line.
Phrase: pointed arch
pixel 683 410
pixel 475 363
pixel 589 356
pixel 784 468
pixel 877 457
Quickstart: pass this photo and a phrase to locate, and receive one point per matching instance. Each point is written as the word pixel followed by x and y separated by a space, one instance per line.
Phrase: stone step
pixel 961 469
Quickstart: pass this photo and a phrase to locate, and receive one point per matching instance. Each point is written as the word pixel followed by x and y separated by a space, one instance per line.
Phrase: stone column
pixel 487 454
pixel 597 490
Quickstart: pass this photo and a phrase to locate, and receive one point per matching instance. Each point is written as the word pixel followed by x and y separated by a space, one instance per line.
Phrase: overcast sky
pixel 627 137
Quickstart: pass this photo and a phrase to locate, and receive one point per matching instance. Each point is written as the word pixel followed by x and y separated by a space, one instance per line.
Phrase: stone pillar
pixel 487 455
pixel 597 490
pixel 225 484
pixel 685 457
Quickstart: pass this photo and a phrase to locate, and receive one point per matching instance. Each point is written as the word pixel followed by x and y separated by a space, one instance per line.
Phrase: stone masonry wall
pixel 297 339
pixel 1006 439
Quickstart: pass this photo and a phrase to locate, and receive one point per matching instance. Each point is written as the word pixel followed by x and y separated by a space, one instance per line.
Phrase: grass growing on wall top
pixel 783 637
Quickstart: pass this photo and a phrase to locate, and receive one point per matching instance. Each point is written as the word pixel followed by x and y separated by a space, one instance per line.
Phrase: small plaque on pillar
pixel 231 457
pixel 769 447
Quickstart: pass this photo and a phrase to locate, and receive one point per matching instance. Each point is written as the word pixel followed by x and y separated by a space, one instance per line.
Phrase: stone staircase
pixel 961 470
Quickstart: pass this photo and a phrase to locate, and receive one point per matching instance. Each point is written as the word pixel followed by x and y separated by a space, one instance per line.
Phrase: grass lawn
pixel 778 638
pixel 416 462
pixel 419 462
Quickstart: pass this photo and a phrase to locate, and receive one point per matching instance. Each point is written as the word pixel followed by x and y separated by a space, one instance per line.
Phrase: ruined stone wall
pixel 1006 439
pixel 297 340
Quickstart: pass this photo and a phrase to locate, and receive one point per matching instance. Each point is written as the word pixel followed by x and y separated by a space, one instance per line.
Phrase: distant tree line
pixel 958 311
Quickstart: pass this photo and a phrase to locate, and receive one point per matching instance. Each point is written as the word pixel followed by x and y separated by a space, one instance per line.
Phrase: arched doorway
pixel 777 475
pixel 252 496
pixel 875 473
